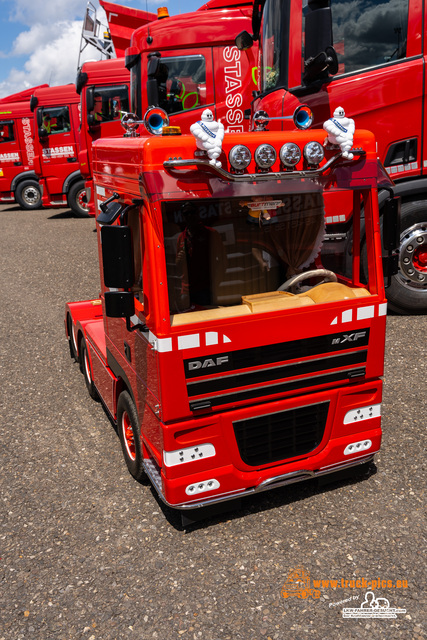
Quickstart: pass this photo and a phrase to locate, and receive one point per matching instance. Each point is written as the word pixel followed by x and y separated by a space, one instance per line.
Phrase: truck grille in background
pixel 280 436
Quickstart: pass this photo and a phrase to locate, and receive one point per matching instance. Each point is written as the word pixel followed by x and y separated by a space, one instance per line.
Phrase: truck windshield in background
pixel 181 83
pixel 274 48
pixel 6 131
pixel 109 103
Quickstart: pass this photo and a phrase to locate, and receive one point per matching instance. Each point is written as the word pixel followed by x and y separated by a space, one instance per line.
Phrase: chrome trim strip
pixel 270 483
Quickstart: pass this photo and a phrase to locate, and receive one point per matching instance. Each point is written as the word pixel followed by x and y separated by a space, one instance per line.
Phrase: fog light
pixel 357 447
pixel 239 157
pixel 314 153
pixel 265 156
pixel 201 487
pixel 290 154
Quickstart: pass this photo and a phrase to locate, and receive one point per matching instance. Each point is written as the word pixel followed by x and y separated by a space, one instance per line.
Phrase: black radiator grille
pixel 280 436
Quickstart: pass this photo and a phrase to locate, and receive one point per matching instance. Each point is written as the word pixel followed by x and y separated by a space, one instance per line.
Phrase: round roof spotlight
pixel 290 154
pixel 265 156
pixel 239 157
pixel 303 117
pixel 314 153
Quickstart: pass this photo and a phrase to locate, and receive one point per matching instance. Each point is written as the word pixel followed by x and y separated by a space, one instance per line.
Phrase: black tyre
pixel 87 370
pixel 71 339
pixel 408 290
pixel 77 200
pixel 28 194
pixel 130 435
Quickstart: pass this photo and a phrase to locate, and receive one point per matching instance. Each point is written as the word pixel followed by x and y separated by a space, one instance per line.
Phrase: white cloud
pixel 53 51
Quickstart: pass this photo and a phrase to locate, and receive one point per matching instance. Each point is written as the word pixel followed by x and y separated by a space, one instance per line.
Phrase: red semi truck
pixel 369 58
pixel 227 367
pixel 18 180
pixel 57 121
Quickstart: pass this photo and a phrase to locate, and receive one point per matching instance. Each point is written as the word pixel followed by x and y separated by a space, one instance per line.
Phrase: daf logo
pixel 349 337
pixel 207 362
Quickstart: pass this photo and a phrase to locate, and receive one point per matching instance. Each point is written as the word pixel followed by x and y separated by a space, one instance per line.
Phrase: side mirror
pixel 119 304
pixel 244 41
pixel 117 256
pixel 42 133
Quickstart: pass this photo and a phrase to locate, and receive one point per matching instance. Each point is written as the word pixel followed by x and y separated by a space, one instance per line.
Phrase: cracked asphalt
pixel 87 552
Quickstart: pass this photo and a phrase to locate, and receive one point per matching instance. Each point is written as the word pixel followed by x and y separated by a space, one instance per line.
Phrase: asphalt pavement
pixel 87 552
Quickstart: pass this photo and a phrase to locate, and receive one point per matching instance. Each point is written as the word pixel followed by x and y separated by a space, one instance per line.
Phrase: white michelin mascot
pixel 209 135
pixel 340 132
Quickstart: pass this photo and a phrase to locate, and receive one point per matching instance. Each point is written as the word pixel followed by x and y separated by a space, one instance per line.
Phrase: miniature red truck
pixel 368 58
pixel 17 178
pixel 57 122
pixel 226 366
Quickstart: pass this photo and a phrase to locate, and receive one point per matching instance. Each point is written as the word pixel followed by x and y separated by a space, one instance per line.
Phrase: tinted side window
pixel 369 33
pixel 6 132
pixel 182 83
pixel 110 103
pixel 56 120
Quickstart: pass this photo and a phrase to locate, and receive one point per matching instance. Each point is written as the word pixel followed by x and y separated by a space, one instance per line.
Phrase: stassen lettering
pixel 207 363
pixel 233 85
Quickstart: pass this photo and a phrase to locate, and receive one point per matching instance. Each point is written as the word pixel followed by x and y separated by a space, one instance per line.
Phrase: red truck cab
pixel 235 350
pixel 57 122
pixel 369 59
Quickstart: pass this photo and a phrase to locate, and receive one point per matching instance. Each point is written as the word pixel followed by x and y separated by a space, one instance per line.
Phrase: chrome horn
pixel 154 121
pixel 302 117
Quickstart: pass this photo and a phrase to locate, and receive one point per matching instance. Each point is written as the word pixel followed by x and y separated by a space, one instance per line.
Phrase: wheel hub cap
pixel 413 256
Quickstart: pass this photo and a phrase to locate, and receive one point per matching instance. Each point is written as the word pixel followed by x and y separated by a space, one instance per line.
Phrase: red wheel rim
pixel 128 436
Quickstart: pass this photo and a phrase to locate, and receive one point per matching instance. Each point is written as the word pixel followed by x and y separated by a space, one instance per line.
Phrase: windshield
pixel 181 82
pixel 220 250
pixel 274 44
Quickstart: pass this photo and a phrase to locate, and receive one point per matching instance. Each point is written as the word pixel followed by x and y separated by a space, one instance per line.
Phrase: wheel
pixel 77 200
pixel 71 339
pixel 28 194
pixel 328 276
pixel 87 370
pixel 408 290
pixel 130 435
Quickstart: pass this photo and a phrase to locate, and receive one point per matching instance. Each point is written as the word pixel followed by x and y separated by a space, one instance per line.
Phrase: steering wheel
pixel 328 276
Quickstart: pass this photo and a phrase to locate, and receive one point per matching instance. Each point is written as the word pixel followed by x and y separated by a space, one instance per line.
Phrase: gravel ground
pixel 86 552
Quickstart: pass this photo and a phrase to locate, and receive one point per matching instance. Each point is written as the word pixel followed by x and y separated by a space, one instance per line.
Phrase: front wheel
pixel 130 435
pixel 408 290
pixel 28 194
pixel 77 200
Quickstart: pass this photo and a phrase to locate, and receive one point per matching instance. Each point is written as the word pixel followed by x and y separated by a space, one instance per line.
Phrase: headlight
pixel 239 157
pixel 265 156
pixel 290 154
pixel 314 153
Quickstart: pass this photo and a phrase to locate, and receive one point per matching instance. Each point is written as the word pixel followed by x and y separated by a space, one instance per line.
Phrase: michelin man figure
pixel 209 135
pixel 340 130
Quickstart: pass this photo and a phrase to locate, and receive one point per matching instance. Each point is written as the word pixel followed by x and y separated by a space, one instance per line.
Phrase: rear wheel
pixel 130 435
pixel 77 200
pixel 71 339
pixel 87 370
pixel 28 194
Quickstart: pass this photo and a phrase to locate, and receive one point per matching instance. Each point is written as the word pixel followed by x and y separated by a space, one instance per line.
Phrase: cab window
pixel 110 103
pixel 181 83
pixel 56 120
pixel 6 132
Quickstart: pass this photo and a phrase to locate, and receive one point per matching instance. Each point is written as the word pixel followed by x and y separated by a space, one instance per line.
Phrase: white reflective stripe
pixel 189 342
pixel 225 338
pixel 347 316
pixel 365 312
pixel 362 413
pixel 162 345
pixel 335 320
pixel 211 338
pixel 189 454
pixel 382 309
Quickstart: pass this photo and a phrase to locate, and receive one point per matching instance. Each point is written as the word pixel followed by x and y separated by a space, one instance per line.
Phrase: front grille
pixel 280 436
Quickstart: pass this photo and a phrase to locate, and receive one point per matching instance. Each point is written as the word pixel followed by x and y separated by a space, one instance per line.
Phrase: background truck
pixel 188 62
pixel 18 180
pixel 369 58
pixel 57 122
pixel 227 367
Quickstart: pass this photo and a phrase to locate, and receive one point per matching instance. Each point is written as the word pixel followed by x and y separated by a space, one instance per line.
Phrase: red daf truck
pixel 18 180
pixel 235 350
pixel 57 122
pixel 369 58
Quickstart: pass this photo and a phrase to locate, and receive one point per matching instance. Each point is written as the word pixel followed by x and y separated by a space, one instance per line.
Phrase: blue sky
pixel 39 39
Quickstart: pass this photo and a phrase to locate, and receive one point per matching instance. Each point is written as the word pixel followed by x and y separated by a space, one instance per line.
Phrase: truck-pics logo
pixel 372 607
pixel 298 585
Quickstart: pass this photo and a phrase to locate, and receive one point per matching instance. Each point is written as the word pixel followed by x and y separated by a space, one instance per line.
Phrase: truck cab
pixel 57 121
pixel 369 59
pixel 235 349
